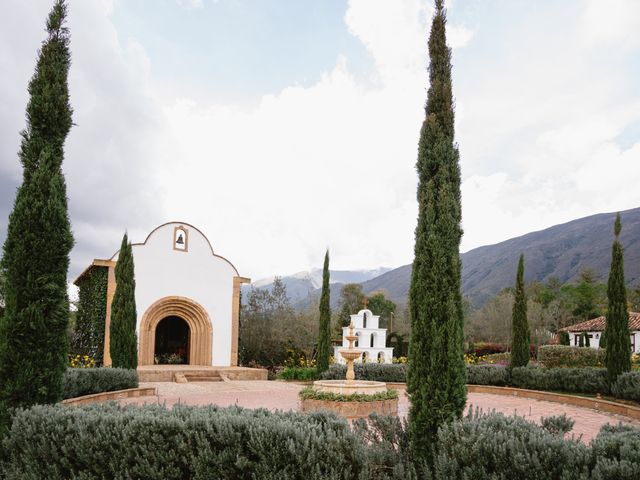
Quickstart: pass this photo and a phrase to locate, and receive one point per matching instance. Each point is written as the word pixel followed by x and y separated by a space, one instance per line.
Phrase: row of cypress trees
pixel 35 261
pixel 615 337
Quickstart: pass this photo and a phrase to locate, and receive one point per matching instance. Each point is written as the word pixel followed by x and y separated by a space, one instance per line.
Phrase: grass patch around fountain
pixel 310 393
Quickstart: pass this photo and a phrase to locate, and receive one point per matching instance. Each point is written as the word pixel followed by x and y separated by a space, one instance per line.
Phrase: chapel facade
pixel 187 299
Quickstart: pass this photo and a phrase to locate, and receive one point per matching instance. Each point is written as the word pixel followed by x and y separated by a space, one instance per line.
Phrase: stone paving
pixel 284 396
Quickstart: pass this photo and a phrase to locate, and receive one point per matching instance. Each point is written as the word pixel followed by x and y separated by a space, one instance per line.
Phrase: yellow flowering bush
pixel 400 360
pixel 81 361
pixel 473 359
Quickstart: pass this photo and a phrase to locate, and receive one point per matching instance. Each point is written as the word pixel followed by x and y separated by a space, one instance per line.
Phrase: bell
pixel 180 240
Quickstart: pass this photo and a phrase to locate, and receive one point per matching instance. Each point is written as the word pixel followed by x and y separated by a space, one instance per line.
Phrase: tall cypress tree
pixel 436 377
pixel 123 342
pixel 324 338
pixel 617 357
pixel 520 337
pixel 33 330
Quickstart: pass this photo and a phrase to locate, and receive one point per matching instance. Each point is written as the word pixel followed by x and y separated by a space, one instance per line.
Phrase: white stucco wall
pixel 161 271
pixel 594 341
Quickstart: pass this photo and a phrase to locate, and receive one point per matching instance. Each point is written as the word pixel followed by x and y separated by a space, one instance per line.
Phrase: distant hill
pixel 302 286
pixel 560 251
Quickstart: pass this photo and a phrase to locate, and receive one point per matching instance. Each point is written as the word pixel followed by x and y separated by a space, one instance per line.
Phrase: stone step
pixel 203 378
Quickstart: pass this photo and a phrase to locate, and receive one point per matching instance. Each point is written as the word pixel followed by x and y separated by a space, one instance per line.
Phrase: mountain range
pixel 560 251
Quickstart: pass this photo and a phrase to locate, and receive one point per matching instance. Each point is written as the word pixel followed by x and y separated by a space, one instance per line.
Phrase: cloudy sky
pixel 283 127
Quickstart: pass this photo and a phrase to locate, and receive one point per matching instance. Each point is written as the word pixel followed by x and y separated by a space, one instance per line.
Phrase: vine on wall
pixel 88 335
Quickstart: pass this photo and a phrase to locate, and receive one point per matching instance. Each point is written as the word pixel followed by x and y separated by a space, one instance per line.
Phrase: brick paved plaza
pixel 284 396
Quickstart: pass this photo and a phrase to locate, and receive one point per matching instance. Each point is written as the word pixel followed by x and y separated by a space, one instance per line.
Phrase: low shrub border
pixel 86 381
pixel 310 393
pixel 206 443
pixel 589 380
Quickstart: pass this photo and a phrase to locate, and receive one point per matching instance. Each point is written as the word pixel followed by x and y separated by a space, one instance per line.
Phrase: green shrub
pixel 379 372
pixel 310 393
pixel 557 425
pixel 552 356
pixel 151 442
pixel 299 373
pixel 497 375
pixel 577 380
pixel 85 381
pixel 616 453
pixel 627 386
pixel 500 447
pixel 388 453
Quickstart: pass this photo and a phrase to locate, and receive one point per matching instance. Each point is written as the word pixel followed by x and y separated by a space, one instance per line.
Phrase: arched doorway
pixel 191 313
pixel 172 341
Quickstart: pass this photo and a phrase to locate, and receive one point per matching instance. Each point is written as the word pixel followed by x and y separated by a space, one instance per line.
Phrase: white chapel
pixel 187 299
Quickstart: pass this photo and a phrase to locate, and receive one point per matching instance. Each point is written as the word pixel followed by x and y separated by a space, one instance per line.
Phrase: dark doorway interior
pixel 172 341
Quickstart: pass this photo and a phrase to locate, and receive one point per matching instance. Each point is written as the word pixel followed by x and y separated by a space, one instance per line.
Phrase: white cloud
pixel 539 120
pixel 615 23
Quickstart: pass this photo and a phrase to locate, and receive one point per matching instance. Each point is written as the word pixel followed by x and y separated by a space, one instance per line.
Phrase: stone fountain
pixel 351 408
pixel 350 385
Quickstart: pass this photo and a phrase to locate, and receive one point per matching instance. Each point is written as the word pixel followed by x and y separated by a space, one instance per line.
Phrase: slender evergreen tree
pixel 581 340
pixel 33 330
pixel 587 343
pixel 520 337
pixel 617 357
pixel 603 339
pixel 324 337
pixel 564 338
pixel 123 343
pixel 436 377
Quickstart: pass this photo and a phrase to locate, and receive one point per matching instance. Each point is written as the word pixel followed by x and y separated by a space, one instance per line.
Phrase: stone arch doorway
pixel 172 341
pixel 188 311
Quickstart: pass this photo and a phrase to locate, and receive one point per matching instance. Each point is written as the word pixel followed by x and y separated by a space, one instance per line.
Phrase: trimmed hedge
pixel 552 356
pixel 497 375
pixel 379 372
pixel 627 386
pixel 151 442
pixel 571 380
pixel 85 381
pixel 577 380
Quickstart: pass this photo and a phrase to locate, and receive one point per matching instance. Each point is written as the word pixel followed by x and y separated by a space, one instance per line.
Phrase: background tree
pixel 123 343
pixel 35 263
pixel 586 296
pixel 351 301
pixel 270 330
pixel 617 356
pixel 324 337
pixel 379 305
pixel 436 376
pixel 520 327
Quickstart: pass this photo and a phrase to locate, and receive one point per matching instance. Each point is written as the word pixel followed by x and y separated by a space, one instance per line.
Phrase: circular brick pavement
pixel 284 396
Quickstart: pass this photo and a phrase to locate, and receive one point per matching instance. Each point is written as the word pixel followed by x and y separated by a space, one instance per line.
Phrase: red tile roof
pixel 597 324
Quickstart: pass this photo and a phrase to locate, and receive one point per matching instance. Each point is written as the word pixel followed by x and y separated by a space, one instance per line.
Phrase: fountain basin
pixel 345 387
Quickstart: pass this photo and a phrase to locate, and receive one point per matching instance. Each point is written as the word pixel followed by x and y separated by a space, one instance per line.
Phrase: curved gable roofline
pixel 186 225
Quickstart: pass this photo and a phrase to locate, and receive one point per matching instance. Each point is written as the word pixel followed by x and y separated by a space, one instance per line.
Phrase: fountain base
pixel 345 387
